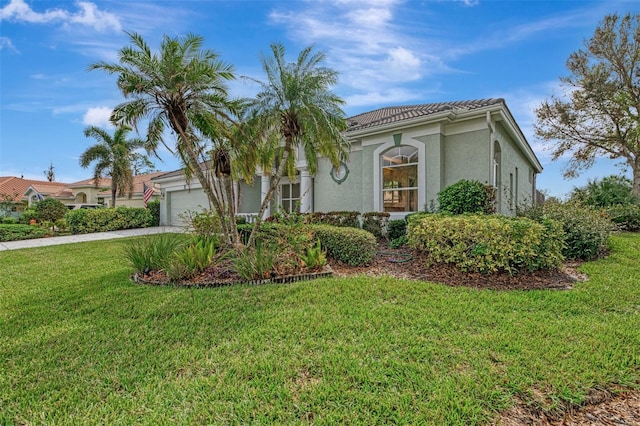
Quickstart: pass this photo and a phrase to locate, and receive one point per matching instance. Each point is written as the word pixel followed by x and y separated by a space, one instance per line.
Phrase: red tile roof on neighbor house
pixel 15 187
pixel 138 181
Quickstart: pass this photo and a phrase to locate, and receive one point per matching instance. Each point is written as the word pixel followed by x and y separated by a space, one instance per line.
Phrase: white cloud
pixel 97 116
pixel 404 64
pixel 5 43
pixel 375 55
pixel 87 15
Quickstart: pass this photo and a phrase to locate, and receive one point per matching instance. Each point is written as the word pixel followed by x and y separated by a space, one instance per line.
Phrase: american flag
pixel 147 193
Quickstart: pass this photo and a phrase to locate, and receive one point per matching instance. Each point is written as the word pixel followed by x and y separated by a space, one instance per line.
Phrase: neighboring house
pixel 24 193
pixel 401 157
pixel 138 191
pixel 16 193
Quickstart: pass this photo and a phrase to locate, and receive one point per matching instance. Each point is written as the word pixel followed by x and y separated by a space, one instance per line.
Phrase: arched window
pixel 400 179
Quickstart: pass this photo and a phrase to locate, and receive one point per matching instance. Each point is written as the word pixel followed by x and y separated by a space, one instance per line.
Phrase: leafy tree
pixel 609 191
pixel 600 116
pixel 50 210
pixel 113 157
pixel 182 87
pixel 50 173
pixel 6 204
pixel 295 108
pixel 141 164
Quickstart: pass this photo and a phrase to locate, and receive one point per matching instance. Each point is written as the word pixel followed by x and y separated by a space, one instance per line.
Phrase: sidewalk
pixel 68 239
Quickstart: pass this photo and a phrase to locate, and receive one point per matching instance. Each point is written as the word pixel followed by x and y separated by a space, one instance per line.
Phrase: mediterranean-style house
pixel 401 157
pixel 26 192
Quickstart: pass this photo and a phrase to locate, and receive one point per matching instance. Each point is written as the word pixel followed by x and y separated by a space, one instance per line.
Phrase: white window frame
pixel 378 204
pixel 292 201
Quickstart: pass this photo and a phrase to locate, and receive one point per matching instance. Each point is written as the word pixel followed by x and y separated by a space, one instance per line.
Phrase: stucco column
pixel 306 192
pixel 265 181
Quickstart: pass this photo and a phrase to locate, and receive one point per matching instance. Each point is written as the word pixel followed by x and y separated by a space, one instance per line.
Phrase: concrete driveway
pixel 68 239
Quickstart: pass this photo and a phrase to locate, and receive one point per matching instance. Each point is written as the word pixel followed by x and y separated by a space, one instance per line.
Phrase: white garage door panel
pixel 183 201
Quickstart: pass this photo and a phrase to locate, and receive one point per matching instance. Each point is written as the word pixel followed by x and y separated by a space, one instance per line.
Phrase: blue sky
pixel 388 52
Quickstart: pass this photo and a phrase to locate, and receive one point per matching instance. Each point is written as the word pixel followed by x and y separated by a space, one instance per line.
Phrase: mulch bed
pixel 404 263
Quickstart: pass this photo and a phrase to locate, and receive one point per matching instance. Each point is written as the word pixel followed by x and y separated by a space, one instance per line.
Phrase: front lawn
pixel 81 344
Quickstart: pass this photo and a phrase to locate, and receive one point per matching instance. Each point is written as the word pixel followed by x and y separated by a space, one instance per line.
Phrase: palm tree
pixel 295 108
pixel 113 157
pixel 182 87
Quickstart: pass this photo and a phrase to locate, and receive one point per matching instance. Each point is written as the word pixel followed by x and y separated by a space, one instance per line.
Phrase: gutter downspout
pixel 491 148
pixel 492 178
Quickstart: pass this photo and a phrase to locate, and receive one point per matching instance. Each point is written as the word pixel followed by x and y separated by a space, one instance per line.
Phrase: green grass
pixel 81 344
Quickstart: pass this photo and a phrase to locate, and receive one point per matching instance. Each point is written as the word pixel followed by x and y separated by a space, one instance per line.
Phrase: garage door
pixel 180 202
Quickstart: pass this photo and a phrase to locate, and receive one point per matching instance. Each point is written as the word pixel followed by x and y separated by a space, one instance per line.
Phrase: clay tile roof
pixel 400 113
pixel 15 187
pixel 138 183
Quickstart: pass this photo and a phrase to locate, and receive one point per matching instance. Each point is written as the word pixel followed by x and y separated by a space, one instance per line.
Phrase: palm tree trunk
pixel 274 185
pixel 114 191
pixel 194 161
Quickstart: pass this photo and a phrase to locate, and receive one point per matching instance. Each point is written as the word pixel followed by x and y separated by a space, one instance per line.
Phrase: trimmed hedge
pixel 467 196
pixel 487 243
pixel 21 232
pixel 84 221
pixel 355 247
pixel 341 218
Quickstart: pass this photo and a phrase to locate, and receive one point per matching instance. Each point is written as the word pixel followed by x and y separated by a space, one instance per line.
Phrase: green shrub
pixel 153 252
pixel 487 244
pixel 337 218
pixel 27 215
pixel 60 225
pixel 205 223
pixel 376 223
pixel 255 263
pixel 154 209
pixel 20 232
pixel 191 259
pixel 83 221
pixel 607 192
pixel 397 228
pixel 315 258
pixel 355 247
pixel 625 216
pixel 586 228
pixel 50 210
pixel 9 220
pixel 399 242
pixel 467 196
